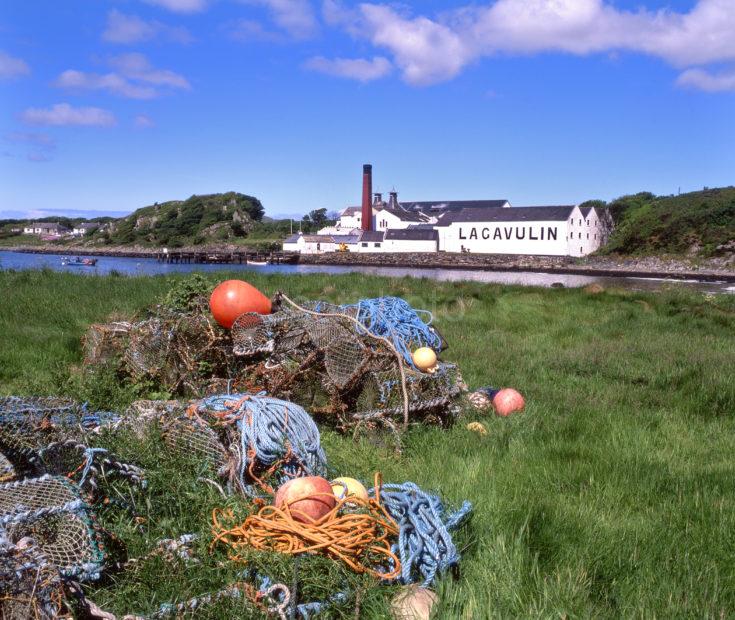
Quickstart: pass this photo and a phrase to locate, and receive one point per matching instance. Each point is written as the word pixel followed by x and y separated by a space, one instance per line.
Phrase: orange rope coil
pixel 355 531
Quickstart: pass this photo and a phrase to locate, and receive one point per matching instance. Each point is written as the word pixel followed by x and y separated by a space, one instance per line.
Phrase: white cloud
pixel 122 28
pixel 143 121
pixel 11 67
pixel 359 69
pixel 136 66
pixel 111 82
pixel 710 82
pixel 180 6
pixel 430 50
pixel 62 114
pixel 296 17
pixel 134 78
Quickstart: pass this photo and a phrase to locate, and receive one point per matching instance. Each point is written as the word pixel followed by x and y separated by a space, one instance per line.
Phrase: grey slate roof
pixel 409 211
pixel 403 215
pixel 50 226
pixel 292 238
pixel 585 211
pixel 434 206
pixel 411 234
pixel 371 235
pixel 346 238
pixel 513 214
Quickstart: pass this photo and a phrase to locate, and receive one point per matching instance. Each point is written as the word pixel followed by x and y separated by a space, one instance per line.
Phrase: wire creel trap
pixel 269 440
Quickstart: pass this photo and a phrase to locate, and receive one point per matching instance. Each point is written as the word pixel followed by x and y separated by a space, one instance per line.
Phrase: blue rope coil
pixel 271 431
pixel 425 546
pixel 394 318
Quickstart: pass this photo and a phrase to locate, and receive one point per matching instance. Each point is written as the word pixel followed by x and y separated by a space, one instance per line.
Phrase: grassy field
pixel 613 495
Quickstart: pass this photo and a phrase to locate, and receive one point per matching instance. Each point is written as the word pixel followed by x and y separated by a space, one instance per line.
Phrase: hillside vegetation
pixel 199 219
pixel 696 224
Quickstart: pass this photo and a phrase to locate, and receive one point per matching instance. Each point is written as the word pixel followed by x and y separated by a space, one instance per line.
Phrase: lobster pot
pixel 49 513
pixel 103 343
pixel 30 586
pixel 32 423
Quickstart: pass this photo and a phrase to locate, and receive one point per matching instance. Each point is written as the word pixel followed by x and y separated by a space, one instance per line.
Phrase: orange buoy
pixel 308 499
pixel 508 401
pixel 232 298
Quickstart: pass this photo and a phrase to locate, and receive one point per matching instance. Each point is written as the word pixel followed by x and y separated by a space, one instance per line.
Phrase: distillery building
pixel 476 226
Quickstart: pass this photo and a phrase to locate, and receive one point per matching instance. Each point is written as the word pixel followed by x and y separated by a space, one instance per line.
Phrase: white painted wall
pixel 544 238
pixel 367 246
pixel 584 235
pixel 397 245
pixel 384 220
pixel 350 221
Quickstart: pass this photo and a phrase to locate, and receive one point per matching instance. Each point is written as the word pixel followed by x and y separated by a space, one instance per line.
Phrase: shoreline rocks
pixel 648 266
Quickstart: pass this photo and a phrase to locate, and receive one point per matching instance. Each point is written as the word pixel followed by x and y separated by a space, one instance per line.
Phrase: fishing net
pixel 104 341
pixel 341 363
pixel 254 442
pixel 51 512
pixel 335 361
pixel 44 435
pixel 30 587
pixel 7 471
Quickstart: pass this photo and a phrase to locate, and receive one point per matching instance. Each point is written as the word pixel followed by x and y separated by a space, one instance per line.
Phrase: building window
pixel 580 222
pixel 588 222
pixel 588 235
pixel 595 235
pixel 377 245
pixel 580 250
pixel 580 235
pixel 364 245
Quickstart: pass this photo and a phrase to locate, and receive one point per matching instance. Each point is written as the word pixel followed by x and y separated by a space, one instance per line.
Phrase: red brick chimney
pixel 367 195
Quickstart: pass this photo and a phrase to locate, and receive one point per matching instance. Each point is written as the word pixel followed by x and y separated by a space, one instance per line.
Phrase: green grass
pixel 613 495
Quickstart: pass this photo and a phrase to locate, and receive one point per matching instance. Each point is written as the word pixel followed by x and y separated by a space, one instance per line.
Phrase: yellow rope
pixel 360 537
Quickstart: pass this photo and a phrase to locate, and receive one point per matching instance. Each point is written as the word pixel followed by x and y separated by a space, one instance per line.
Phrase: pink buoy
pixel 508 401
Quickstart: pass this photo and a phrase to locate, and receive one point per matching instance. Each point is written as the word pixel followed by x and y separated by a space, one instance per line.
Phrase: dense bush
pixel 695 223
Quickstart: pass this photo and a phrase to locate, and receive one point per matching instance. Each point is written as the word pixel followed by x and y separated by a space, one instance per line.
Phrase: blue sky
pixel 111 105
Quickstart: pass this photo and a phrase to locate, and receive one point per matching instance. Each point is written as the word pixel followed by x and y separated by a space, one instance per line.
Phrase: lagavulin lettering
pixel 509 232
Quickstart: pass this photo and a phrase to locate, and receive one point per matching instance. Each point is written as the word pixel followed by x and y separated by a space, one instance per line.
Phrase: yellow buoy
pixel 348 487
pixel 424 359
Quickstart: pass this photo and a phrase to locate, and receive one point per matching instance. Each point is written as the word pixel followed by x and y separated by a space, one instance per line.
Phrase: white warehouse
pixel 476 226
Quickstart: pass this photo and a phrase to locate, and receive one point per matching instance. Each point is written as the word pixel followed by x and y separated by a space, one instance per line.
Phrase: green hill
pixel 199 219
pixel 695 224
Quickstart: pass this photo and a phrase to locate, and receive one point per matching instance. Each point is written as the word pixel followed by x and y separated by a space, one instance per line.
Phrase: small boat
pixel 78 261
pixel 257 262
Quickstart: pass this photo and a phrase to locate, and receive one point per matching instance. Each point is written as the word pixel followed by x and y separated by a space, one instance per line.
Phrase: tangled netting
pixel 51 473
pixel 255 440
pixel 50 511
pixel 30 587
pixel 392 318
pixel 45 435
pixel 339 362
pixel 424 546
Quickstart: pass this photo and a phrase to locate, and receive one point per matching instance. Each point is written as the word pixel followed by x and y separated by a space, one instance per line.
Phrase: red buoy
pixel 508 401
pixel 308 499
pixel 232 298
